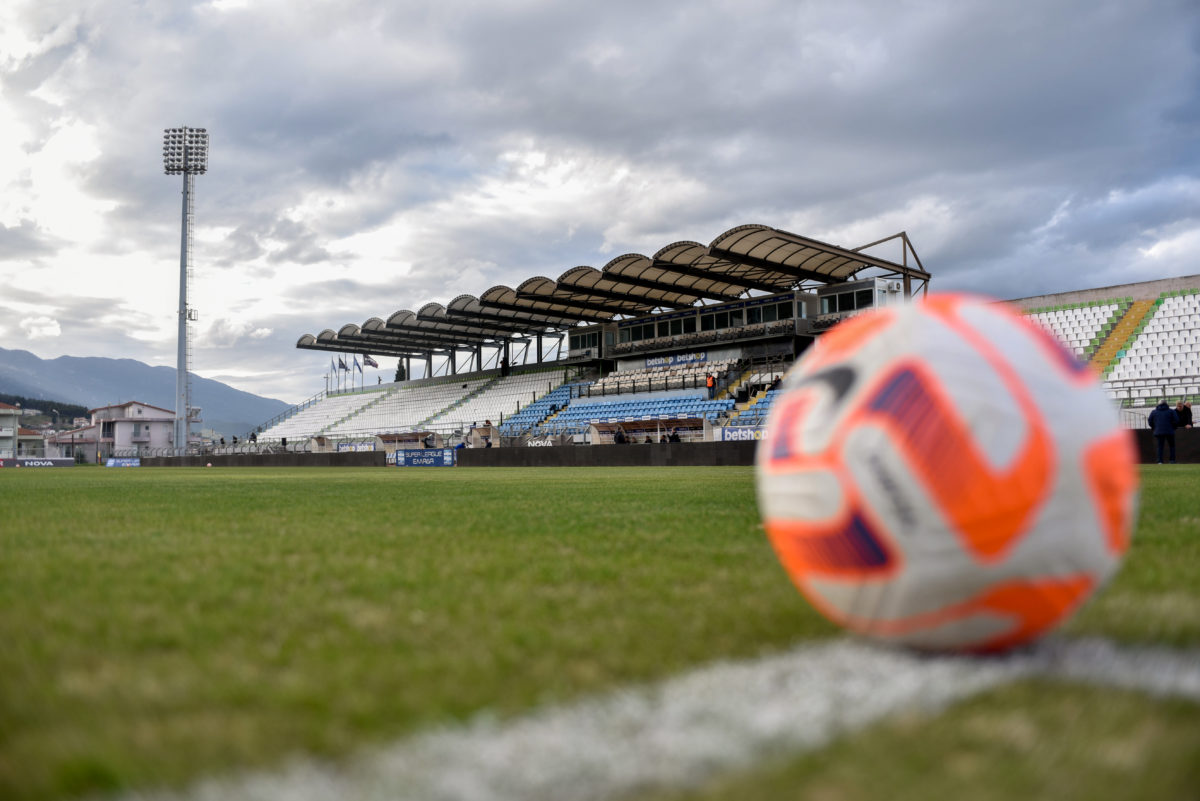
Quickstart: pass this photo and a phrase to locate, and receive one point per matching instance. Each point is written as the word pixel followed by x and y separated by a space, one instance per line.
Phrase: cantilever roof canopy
pixel 745 259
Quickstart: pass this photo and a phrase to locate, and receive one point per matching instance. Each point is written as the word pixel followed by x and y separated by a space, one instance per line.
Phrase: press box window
pixel 708 323
pixel 581 341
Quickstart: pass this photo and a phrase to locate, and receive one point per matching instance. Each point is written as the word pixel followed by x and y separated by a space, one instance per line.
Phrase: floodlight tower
pixel 185 152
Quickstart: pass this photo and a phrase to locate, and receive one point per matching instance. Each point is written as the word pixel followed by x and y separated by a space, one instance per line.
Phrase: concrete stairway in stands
pixel 1120 334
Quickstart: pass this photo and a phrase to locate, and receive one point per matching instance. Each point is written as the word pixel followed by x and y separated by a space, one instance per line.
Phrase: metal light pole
pixel 185 152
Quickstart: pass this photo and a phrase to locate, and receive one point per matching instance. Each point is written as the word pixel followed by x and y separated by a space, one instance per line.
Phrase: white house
pixel 133 428
pixel 14 440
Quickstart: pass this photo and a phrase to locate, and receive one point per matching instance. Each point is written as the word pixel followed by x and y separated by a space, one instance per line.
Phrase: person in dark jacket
pixel 1164 421
pixel 1184 411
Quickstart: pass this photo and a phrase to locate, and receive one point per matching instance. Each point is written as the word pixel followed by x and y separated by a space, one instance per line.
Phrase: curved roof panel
pixel 543 289
pixel 634 268
pixel 437 313
pixel 330 342
pixel 503 297
pixel 402 317
pixel 614 286
pixel 432 310
pixel 694 259
pixel 795 255
pixel 468 306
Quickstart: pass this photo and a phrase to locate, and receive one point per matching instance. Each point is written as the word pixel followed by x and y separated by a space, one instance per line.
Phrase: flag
pixel 369 362
pixel 357 366
pixel 332 365
pixel 342 363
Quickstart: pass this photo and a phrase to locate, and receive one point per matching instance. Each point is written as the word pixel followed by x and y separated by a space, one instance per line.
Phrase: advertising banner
pixel 742 433
pixel 678 358
pixel 123 462
pixel 355 447
pixel 426 457
pixel 36 461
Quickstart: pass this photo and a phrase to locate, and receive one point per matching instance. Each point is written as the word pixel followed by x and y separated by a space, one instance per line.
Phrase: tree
pixel 400 369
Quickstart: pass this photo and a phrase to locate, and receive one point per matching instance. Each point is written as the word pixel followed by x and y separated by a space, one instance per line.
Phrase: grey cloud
pixel 332 293
pixel 1119 218
pixel 24 241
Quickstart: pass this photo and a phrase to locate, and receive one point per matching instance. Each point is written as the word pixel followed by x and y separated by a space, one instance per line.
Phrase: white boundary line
pixel 689 728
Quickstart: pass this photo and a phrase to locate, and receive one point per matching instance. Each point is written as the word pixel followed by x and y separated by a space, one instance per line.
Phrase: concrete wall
pixel 670 454
pixel 1145 290
pixel 1187 446
pixel 351 459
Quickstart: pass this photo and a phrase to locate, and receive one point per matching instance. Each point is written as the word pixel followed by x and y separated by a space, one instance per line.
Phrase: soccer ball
pixel 945 475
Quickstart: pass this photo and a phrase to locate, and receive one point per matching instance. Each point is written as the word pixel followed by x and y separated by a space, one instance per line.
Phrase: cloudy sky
pixel 369 156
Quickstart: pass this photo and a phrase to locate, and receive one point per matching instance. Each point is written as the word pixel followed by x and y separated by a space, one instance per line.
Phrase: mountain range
pixel 96 381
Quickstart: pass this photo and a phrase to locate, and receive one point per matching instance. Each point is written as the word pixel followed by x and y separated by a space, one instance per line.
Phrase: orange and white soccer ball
pixel 946 475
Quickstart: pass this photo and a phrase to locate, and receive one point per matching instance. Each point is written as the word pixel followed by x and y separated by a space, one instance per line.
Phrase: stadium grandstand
pixel 687 341
pixel 1143 338
pixel 691 341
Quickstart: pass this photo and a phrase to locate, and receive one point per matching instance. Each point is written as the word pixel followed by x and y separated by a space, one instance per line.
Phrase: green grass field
pixel 163 625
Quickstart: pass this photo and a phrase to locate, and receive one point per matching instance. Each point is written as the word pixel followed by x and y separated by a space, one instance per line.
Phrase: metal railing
pixel 643 383
pixel 286 413
pixel 751 331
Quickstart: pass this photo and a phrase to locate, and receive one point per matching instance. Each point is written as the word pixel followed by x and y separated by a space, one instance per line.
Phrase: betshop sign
pixel 678 358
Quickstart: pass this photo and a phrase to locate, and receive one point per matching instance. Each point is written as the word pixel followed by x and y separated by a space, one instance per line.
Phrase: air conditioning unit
pixel 894 286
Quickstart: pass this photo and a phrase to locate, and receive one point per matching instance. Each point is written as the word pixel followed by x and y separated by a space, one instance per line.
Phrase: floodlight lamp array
pixel 185 150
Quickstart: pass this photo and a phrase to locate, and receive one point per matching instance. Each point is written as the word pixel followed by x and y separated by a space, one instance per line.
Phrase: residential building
pixel 133 428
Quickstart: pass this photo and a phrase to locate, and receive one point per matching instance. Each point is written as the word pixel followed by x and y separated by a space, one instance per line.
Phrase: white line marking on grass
pixel 678 733
pixel 1157 671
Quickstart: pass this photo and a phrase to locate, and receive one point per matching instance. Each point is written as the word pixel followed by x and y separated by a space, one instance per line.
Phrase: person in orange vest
pixel 711 383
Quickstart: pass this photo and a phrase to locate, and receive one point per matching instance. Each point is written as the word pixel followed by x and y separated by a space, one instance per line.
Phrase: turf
pixel 1035 740
pixel 163 624
pixel 1156 596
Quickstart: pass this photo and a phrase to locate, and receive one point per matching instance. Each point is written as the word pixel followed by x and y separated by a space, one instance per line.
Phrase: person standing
pixel 1184 411
pixel 711 383
pixel 1164 421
